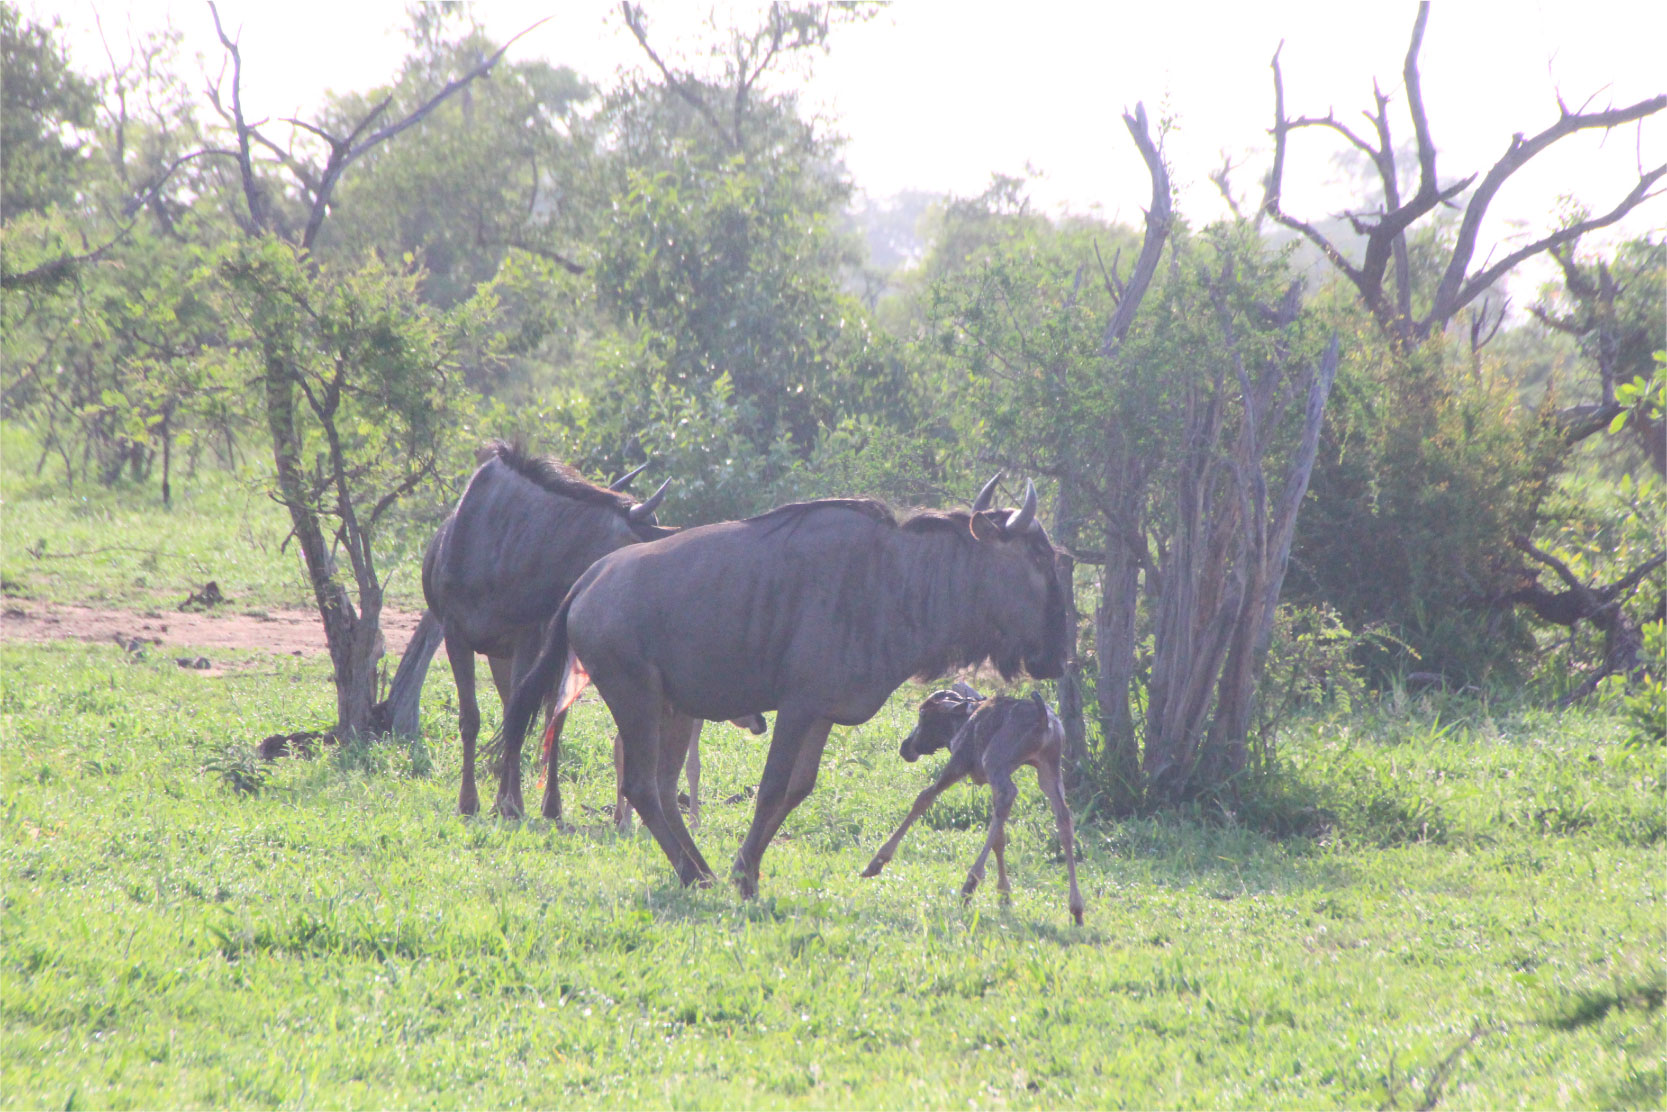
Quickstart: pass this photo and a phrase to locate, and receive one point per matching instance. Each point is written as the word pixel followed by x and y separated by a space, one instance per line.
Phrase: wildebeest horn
pixel 624 480
pixel 982 502
pixel 966 691
pixel 1020 519
pixel 645 510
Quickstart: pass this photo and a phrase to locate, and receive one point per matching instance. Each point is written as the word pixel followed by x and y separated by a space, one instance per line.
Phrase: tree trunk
pixel 1070 684
pixel 1114 640
pixel 350 640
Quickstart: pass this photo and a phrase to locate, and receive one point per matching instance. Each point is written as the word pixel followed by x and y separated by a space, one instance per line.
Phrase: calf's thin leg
pixel 462 659
pixel 957 767
pixel 1002 793
pixel 1047 774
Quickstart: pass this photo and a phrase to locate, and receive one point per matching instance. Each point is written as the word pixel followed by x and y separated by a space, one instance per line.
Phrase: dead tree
pixel 1202 528
pixel 1602 606
pixel 1383 276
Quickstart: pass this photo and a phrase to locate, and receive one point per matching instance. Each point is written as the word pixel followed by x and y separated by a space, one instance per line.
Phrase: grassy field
pixel 121 546
pixel 1482 925
pixel 1473 916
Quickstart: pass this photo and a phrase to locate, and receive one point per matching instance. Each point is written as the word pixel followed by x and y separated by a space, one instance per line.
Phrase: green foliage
pixel 44 107
pixel 426 195
pixel 1425 471
pixel 1644 396
pixel 237 767
pixel 1643 699
pixel 733 331
pixel 1313 666
pixel 368 375
pixel 121 368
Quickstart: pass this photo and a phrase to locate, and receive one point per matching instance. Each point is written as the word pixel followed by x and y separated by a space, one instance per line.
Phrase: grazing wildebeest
pixel 987 740
pixel 817 610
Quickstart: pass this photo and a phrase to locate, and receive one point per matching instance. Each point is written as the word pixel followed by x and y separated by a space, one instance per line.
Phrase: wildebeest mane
pixel 794 512
pixel 956 521
pixel 551 474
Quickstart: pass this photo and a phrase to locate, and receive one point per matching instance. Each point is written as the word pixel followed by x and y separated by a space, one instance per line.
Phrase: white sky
pixel 936 95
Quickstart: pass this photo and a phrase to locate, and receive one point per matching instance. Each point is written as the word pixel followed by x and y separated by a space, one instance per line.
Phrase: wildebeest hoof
pixel 874 867
pixel 509 808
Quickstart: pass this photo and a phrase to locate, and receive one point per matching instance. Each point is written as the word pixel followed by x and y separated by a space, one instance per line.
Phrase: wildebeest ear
pixel 986 525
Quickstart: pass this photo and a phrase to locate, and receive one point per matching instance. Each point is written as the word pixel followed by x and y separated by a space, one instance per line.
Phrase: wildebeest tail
pixel 399 711
pixel 540 680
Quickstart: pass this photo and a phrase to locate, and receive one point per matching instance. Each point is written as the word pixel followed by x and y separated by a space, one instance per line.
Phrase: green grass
pixel 120 546
pixel 1480 923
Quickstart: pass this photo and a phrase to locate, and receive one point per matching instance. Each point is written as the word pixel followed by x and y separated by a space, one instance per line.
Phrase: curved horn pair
pixel 644 511
pixel 624 480
pixel 1020 519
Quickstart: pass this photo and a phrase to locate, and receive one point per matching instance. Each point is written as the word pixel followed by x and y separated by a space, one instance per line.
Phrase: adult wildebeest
pixel 523 532
pixel 988 740
pixel 818 611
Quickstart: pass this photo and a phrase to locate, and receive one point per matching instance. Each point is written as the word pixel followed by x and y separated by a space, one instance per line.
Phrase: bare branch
pixel 1159 219
pixel 639 30
pixel 245 162
pixel 1552 562
pixel 1276 176
pixel 56 270
pixel 1450 300
pixel 1219 178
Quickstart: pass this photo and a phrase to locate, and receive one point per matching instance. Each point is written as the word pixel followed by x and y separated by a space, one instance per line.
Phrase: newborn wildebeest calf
pixel 987 740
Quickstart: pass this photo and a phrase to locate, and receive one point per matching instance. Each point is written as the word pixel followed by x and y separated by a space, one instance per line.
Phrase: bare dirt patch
pixel 292 632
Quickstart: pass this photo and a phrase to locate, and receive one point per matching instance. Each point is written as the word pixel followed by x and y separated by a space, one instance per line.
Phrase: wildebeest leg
pixel 506 672
pixel 622 806
pixel 636 711
pixel 1047 774
pixel 789 775
pixel 1002 794
pixel 676 734
pixel 960 763
pixel 1000 845
pixel 551 808
pixel 691 769
pixel 462 659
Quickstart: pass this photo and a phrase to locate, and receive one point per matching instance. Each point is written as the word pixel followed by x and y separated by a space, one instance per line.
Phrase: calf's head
pixel 940 716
